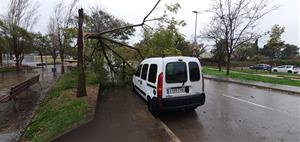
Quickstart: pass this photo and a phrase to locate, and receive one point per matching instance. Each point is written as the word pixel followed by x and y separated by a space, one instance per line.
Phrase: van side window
pixel 144 71
pixel 138 71
pixel 152 73
pixel 176 72
pixel 194 71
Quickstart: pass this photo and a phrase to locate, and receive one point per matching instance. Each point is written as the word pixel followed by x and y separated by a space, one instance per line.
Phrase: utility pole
pixel 81 86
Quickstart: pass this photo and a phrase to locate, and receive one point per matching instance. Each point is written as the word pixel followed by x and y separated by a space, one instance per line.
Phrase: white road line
pixel 265 107
pixel 173 137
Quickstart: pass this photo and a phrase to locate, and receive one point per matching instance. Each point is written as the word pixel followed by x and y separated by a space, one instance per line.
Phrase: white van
pixel 170 83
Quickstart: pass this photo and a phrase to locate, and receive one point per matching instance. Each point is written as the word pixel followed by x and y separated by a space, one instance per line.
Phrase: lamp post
pixel 195 38
pixel 196 12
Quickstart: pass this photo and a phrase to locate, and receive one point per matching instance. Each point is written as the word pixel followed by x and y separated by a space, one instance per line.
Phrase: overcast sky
pixel 133 11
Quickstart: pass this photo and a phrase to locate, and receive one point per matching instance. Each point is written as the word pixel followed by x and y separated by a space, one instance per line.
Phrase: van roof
pixel 171 57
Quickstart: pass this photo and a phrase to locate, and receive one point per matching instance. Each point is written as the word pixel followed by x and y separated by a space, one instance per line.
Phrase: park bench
pixel 18 89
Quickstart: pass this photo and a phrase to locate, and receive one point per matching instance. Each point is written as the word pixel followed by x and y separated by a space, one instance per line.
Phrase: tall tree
pixel 63 16
pixel 219 54
pixel 2 40
pixel 52 37
pixel 40 44
pixel 21 17
pixel 165 38
pixel 81 87
pixel 275 43
pixel 234 21
pixel 246 51
pixel 289 51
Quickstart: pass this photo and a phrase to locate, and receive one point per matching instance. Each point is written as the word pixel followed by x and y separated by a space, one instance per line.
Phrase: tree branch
pixel 106 57
pixel 118 55
pixel 125 45
pixel 97 35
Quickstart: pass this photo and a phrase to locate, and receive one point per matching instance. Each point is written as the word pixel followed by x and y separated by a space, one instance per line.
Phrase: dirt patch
pixel 269 75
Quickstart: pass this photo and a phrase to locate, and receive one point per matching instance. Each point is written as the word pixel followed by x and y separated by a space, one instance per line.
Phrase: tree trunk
pixel 54 62
pixel 1 59
pixel 123 71
pixel 228 64
pixel 16 51
pixel 81 86
pixel 42 61
pixel 62 62
pixel 17 61
pixel 220 65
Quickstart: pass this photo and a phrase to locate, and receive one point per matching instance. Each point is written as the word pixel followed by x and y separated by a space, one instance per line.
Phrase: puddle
pixel 8 137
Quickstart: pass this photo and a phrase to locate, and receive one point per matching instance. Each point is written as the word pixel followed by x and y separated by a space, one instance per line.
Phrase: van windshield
pixel 176 72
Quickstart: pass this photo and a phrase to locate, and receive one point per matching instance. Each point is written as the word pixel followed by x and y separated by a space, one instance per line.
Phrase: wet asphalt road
pixel 239 113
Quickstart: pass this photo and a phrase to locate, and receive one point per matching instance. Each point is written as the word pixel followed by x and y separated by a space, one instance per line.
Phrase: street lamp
pixel 195 38
pixel 196 12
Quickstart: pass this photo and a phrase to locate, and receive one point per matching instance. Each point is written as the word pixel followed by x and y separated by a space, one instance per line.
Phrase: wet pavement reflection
pixel 12 123
pixel 238 113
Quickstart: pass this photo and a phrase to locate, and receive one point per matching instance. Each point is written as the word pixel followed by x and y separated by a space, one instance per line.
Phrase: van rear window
pixel 194 71
pixel 176 72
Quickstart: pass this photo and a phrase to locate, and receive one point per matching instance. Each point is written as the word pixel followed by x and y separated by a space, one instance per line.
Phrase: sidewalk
pixel 120 116
pixel 276 87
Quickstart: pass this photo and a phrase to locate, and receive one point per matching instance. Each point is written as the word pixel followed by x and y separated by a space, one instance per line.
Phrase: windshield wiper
pixel 183 83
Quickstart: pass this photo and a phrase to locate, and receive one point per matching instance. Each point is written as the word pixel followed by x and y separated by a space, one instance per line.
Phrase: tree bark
pixel 228 64
pixel 220 65
pixel 81 86
pixel 41 56
pixel 62 62
pixel 1 59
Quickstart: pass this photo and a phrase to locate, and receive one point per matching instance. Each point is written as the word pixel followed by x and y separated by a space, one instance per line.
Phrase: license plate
pixel 175 90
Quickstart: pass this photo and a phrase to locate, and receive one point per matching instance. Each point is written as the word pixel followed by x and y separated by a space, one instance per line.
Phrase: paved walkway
pixel 121 116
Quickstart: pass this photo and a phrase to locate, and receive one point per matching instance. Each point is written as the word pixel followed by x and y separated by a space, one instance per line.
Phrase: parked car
pixel 286 68
pixel 170 83
pixel 265 67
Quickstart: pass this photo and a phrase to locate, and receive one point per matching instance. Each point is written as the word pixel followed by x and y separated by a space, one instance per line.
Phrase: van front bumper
pixel 184 102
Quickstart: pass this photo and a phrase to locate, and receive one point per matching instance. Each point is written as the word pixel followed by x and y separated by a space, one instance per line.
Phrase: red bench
pixel 18 89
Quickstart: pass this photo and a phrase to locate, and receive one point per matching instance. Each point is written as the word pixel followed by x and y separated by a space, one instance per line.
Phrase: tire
pixel 152 107
pixel 191 109
pixel 290 72
pixel 132 87
pixel 275 70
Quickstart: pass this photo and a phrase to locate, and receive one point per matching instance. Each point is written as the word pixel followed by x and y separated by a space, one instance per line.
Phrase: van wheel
pixel 132 87
pixel 152 108
pixel 275 70
pixel 290 72
pixel 191 109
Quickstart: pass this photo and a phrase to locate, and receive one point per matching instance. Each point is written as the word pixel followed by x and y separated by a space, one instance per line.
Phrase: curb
pixel 166 129
pixel 173 137
pixel 253 85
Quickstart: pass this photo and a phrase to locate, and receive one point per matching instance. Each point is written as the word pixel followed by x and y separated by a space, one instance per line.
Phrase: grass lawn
pixel 61 111
pixel 251 76
pixel 246 70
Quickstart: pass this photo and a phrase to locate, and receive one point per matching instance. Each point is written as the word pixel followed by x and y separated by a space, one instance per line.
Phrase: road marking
pixel 265 107
pixel 168 131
